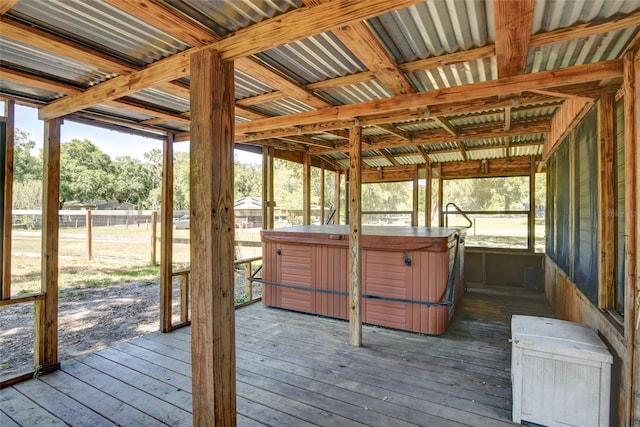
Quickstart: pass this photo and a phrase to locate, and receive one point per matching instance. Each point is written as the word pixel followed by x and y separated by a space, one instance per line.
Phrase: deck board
pixel 296 369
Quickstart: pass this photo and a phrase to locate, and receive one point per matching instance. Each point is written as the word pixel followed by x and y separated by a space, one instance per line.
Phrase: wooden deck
pixel 297 370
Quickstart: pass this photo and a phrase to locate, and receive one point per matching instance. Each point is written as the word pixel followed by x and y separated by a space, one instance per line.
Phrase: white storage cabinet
pixel 560 373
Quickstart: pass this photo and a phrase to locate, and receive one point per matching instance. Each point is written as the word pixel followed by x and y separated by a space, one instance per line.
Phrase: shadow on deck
pixel 296 369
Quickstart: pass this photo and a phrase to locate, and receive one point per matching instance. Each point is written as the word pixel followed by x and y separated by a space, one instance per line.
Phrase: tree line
pixel 88 174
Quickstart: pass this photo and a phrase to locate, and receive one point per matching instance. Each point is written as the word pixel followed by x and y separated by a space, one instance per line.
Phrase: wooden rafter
pixel 445 124
pixel 6 5
pixel 513 21
pixel 393 130
pixel 423 153
pixel 560 94
pixel 387 156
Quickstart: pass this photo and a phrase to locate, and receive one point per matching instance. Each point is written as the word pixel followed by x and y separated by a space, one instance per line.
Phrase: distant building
pixel 100 205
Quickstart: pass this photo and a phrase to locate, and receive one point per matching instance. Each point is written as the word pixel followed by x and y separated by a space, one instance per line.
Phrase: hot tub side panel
pixel 331 274
pixel 430 281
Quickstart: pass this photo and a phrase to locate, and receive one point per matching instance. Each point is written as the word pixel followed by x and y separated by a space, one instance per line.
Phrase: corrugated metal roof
pixel 119 112
pixel 313 59
pixel 434 28
pixel 480 70
pixel 376 162
pixel 446 157
pixel 487 142
pixel 247 86
pixel 351 94
pixel 396 151
pixel 440 146
pixel 226 16
pixel 29 92
pixel 528 139
pixel 529 113
pixel 410 160
pixel 478 119
pixel 493 153
pixel 418 126
pixel 587 50
pixel 102 25
pixel 550 15
pixel 45 63
pixel 525 150
pixel 162 99
pixel 282 107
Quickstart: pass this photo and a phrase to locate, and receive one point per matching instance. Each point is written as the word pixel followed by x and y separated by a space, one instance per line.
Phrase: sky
pixel 113 143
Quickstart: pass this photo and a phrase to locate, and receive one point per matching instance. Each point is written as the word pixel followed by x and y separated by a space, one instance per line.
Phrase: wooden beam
pixel 336 217
pixel 446 125
pixel 6 5
pixel 46 310
pixel 395 131
pixel 424 154
pixel 507 118
pixel 606 228
pixel 543 79
pixel 563 95
pixel 212 241
pixel 531 220
pixel 497 167
pixel 513 21
pixel 388 157
pixel 166 236
pixel 306 189
pixel 268 199
pixel 7 192
pixel 416 184
pixel 427 196
pixel 355 237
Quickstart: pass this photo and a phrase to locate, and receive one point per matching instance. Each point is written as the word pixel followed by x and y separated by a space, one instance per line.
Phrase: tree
pixel 26 166
pixel 86 173
pixel 247 179
pixel 132 182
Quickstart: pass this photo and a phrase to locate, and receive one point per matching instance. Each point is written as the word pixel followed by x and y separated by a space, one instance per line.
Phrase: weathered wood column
pixel 427 196
pixel 46 309
pixel 322 201
pixel 606 221
pixel 531 220
pixel 7 197
pixel 632 210
pixel 336 216
pixel 416 185
pixel 268 199
pixel 166 234
pixel 213 355
pixel 306 189
pixel 355 234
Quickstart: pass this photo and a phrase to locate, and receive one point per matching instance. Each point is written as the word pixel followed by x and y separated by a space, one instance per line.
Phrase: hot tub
pixel 412 277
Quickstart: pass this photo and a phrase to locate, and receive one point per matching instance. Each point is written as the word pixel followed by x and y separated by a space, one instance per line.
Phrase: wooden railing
pixel 184 276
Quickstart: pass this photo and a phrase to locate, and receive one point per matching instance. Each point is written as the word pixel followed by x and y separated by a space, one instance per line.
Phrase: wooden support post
pixel 336 216
pixel 7 200
pixel 440 185
pixel 632 301
pixel 632 281
pixel 427 196
pixel 606 226
pixel 248 288
pixel 89 221
pixel 355 234
pixel 184 297
pixel 306 189
pixel 416 184
pixel 166 236
pixel 268 200
pixel 213 357
pixel 46 309
pixel 322 201
pixel 154 237
pixel 531 220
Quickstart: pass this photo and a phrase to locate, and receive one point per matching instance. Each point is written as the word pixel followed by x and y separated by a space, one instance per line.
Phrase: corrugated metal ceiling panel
pixel 226 16
pixel 434 28
pixel 410 160
pixel 441 146
pixel 550 15
pixel 494 153
pixel 488 142
pixel 446 157
pixel 313 59
pixel 525 150
pixel 29 92
pixel 162 99
pixel 480 70
pixel 282 107
pixel 247 86
pixel 377 162
pixel 102 25
pixel 112 111
pixel 351 94
pixel 36 60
